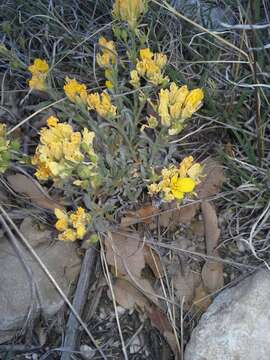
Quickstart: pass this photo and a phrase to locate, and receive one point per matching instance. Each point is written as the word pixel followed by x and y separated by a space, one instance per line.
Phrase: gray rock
pixel 236 326
pixel 25 290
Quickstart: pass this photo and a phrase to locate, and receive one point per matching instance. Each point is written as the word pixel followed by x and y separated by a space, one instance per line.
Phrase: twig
pixel 79 301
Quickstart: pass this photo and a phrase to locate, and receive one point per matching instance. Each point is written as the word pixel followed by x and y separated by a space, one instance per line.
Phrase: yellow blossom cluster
pixel 72 225
pixel 61 150
pixel 129 11
pixel 108 54
pixel 75 91
pixel 101 104
pixel 149 66
pixel 39 70
pixel 177 104
pixel 177 181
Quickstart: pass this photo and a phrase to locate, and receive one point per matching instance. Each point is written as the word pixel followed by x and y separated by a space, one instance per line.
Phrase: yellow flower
pixel 75 91
pixel 38 82
pixel 163 108
pixel 88 137
pixel 108 54
pixel 39 70
pixel 176 182
pixel 150 65
pixel 146 54
pixel 135 79
pixel 185 165
pixel 177 104
pixel 152 122
pixel 129 10
pixel 101 104
pixel 52 121
pixel 68 235
pixel 61 150
pixel 153 189
pixel 108 84
pixel 39 66
pixel 187 168
pixel 72 225
pixel 192 103
pixel 62 222
pixel 179 186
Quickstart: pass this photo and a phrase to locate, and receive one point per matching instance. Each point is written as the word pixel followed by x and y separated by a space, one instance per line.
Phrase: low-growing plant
pixel 117 147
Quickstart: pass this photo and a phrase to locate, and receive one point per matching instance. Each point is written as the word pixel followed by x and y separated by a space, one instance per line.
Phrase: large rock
pixel 236 326
pixel 25 290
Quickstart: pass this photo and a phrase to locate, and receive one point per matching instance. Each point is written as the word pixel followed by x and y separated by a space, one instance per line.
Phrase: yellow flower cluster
pixel 61 150
pixel 72 225
pixel 177 181
pixel 129 11
pixel 75 91
pixel 39 70
pixel 108 54
pixel 150 66
pixel 101 104
pixel 176 105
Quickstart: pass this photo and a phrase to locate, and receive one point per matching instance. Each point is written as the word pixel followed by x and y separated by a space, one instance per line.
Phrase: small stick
pixel 79 301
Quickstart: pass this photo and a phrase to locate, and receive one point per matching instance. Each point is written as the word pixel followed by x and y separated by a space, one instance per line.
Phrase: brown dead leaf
pixel 197 228
pixel 128 296
pixel 212 182
pixel 160 321
pixel 125 253
pixel 212 272
pixel 153 261
pixel 212 275
pixel 185 283
pixel 211 229
pixel 144 214
pixel 175 217
pixel 201 301
pixel 27 186
pixel 146 288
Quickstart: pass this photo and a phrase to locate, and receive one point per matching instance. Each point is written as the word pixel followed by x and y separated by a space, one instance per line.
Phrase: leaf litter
pixel 30 188
pixel 128 255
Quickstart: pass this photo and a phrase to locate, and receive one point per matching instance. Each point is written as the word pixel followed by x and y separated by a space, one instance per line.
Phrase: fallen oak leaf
pixel 183 215
pixel 145 215
pixel 201 299
pixel 27 186
pixel 212 272
pixel 152 259
pixel 128 296
pixel 212 276
pixel 124 252
pixel 185 283
pixel 212 181
pixel 160 321
pixel 211 229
